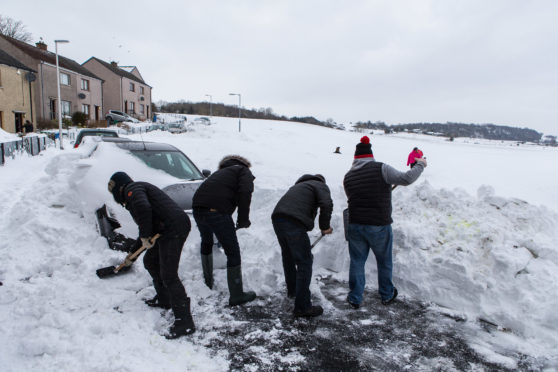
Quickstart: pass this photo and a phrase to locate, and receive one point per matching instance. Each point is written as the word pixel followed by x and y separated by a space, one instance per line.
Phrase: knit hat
pixel 364 149
pixel 116 185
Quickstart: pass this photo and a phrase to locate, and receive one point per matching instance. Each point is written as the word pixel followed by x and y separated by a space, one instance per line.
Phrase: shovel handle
pixel 316 241
pixel 133 255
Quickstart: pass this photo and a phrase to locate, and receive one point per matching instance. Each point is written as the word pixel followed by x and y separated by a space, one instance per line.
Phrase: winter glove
pixel 243 224
pixel 147 242
pixel 421 161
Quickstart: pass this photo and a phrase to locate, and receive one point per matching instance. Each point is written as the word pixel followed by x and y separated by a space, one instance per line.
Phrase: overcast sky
pixel 486 61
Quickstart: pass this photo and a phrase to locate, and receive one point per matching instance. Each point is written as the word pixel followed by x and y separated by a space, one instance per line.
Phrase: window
pixel 66 108
pixel 132 107
pixel 132 87
pixel 64 79
pixel 85 109
pixel 142 90
pixel 1 122
pixel 142 109
pixel 84 84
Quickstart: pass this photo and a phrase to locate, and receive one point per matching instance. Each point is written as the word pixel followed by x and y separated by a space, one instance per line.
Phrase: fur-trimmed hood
pixel 230 160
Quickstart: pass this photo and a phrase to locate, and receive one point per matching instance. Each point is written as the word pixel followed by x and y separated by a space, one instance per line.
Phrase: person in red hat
pixel 368 186
pixel 413 156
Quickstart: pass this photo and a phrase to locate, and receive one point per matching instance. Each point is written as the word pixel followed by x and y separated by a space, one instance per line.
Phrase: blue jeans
pixel 297 259
pixel 362 238
pixel 222 226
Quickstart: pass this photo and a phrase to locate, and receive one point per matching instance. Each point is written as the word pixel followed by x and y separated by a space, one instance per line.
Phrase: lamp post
pixel 239 100
pixel 58 86
pixel 210 112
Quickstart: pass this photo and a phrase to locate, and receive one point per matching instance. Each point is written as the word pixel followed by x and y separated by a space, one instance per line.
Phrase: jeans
pixel 362 238
pixel 297 259
pixel 222 226
pixel 161 261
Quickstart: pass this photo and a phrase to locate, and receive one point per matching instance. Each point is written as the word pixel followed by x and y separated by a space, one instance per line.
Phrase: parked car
pixel 159 163
pixel 93 132
pixel 178 127
pixel 114 116
pixel 202 120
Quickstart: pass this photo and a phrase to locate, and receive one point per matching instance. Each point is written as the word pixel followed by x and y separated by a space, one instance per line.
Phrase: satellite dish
pixel 81 96
pixel 30 77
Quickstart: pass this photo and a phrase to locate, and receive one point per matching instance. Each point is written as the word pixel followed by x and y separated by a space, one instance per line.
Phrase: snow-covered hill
pixel 476 236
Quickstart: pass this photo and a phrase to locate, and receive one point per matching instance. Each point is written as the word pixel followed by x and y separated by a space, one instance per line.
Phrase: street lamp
pixel 210 112
pixel 239 100
pixel 58 86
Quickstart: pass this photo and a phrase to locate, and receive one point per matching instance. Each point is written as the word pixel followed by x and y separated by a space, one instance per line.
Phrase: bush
pixel 46 124
pixel 79 118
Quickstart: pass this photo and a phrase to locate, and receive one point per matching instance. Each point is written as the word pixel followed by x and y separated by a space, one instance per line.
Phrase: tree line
pixel 220 109
pixel 452 130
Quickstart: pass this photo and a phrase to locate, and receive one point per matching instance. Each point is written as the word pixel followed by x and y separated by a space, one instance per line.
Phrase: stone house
pixel 80 89
pixel 123 89
pixel 16 84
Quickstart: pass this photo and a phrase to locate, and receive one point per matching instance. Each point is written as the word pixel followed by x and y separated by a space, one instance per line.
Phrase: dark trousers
pixel 161 261
pixel 222 226
pixel 297 259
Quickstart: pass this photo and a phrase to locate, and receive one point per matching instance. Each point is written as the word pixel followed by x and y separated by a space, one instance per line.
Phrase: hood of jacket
pixel 231 160
pixel 359 163
pixel 311 177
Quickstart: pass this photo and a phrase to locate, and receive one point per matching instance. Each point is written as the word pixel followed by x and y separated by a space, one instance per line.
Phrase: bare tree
pixel 15 29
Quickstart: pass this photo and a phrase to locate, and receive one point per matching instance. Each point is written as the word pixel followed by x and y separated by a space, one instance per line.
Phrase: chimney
pixel 41 45
pixel 114 64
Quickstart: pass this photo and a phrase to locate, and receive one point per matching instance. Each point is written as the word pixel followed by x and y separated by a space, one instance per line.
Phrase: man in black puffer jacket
pixel 292 217
pixel 214 203
pixel 368 186
pixel 156 213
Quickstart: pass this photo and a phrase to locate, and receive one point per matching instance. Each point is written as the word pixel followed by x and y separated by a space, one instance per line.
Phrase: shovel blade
pixel 107 272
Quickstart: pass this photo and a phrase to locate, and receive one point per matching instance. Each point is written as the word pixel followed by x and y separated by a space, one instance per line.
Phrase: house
pixel 16 84
pixel 80 89
pixel 124 88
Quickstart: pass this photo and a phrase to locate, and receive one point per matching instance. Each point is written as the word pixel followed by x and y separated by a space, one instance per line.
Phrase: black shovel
pixel 106 272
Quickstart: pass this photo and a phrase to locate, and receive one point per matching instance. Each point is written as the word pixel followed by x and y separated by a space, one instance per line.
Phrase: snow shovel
pixel 316 241
pixel 109 271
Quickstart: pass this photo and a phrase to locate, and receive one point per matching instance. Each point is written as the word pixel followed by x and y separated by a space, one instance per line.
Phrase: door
pixel 18 122
pixel 52 106
pixel 96 113
pixel 126 107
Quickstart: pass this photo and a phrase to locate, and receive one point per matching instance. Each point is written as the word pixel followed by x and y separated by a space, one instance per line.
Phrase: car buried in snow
pixel 160 164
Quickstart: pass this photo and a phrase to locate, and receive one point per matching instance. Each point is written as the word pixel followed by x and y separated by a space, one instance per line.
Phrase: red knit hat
pixel 364 149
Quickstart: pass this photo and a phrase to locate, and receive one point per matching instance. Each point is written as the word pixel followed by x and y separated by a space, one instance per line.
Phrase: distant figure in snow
pixel 28 126
pixel 337 150
pixel 368 186
pixel 292 217
pixel 413 156
pixel 155 212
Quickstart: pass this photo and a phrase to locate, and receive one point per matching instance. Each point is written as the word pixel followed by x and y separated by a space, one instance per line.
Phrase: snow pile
pixel 485 256
pixel 7 137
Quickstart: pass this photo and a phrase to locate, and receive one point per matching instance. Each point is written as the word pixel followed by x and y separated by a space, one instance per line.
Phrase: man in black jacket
pixel 292 217
pixel 155 212
pixel 214 203
pixel 368 186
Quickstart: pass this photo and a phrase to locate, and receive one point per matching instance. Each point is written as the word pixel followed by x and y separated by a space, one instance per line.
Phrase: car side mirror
pixel 206 173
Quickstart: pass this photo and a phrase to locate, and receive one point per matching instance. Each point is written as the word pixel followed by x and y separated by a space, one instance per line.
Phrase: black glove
pixel 243 224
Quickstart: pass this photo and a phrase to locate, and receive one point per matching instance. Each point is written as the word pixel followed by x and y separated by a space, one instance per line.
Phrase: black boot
pixel 183 322
pixel 311 312
pixel 161 299
pixel 234 279
pixel 207 266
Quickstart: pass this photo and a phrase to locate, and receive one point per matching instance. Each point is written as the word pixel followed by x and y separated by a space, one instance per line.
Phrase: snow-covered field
pixel 476 236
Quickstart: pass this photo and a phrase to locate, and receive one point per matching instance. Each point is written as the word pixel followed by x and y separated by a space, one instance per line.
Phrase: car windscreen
pixel 171 162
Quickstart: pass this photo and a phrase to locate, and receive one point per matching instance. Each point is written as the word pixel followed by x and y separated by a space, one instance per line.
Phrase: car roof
pixel 127 144
pixel 97 130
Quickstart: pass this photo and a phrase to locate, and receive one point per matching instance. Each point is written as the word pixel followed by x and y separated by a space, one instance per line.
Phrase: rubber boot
pixel 161 299
pixel 183 322
pixel 207 266
pixel 237 295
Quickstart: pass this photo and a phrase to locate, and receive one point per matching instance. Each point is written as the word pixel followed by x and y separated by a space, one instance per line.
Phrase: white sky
pixel 398 61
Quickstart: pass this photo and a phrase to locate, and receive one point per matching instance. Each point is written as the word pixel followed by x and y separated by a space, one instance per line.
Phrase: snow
pixel 475 235
pixel 7 137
